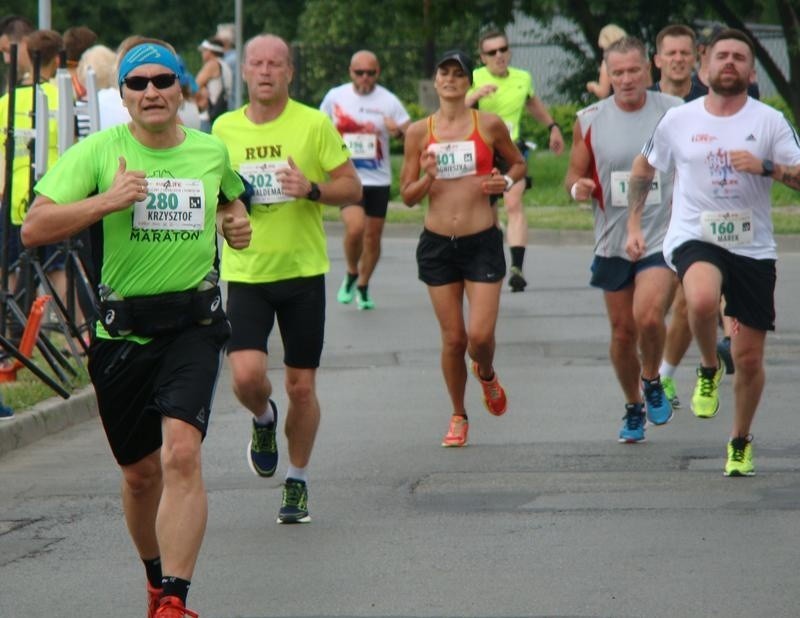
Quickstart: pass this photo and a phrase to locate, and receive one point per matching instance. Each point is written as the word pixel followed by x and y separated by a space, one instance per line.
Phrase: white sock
pixel 296 473
pixel 267 418
pixel 666 370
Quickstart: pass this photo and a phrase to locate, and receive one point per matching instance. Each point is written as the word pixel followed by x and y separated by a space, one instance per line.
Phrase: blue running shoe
pixel 724 352
pixel 632 430
pixel 294 507
pixel 659 408
pixel 262 452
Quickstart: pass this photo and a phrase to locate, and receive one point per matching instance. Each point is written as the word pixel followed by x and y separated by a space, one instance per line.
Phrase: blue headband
pixel 148 53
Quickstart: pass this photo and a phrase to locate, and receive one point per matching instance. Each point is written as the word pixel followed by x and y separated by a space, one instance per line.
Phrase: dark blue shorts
pixel 613 274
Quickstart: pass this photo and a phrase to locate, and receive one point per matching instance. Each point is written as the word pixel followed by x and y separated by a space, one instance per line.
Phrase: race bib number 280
pixel 171 204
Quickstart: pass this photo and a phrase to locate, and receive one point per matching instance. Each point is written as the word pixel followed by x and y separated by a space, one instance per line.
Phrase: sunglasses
pixel 494 52
pixel 162 81
pixel 363 72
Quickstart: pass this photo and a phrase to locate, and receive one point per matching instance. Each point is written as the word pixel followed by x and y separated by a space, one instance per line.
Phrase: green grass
pixel 548 206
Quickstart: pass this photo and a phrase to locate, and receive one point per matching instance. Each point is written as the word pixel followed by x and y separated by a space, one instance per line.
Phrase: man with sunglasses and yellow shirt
pixel 155 194
pixel 506 91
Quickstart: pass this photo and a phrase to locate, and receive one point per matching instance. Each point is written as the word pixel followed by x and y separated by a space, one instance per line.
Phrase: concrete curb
pixel 46 418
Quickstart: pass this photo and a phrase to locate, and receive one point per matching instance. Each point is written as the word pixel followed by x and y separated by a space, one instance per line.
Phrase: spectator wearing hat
pixel 214 82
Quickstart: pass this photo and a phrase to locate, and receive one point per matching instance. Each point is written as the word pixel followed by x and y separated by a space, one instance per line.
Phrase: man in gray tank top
pixel 606 138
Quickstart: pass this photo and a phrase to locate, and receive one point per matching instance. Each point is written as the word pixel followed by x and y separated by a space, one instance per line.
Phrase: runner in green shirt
pixel 157 193
pixel 501 89
pixel 296 161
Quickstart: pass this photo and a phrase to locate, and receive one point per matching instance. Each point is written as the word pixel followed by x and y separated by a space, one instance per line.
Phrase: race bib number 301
pixel 454 159
pixel 727 229
pixel 171 204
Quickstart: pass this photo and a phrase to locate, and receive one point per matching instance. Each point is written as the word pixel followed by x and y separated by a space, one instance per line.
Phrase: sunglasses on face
pixel 363 72
pixel 494 52
pixel 162 81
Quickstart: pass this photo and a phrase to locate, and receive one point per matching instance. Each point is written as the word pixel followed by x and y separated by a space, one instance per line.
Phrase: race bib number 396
pixel 171 204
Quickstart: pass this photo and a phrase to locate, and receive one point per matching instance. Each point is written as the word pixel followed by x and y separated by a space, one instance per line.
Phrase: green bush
pixel 780 104
pixel 533 131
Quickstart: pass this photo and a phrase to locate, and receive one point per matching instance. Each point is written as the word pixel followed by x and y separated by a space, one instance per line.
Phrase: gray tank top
pixel 614 137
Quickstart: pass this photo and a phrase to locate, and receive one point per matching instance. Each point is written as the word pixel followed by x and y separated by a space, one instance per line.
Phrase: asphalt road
pixel 544 514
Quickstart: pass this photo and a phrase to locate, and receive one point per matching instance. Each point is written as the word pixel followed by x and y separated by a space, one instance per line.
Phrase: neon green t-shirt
pixel 288 238
pixel 508 101
pixel 168 242
pixel 23 134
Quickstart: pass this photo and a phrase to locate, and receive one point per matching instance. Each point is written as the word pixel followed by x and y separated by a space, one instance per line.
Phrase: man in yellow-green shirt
pixel 506 91
pixel 295 160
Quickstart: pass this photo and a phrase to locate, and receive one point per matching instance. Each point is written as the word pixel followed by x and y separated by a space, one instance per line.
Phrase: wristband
pixel 509 182
pixel 553 124
pixel 574 191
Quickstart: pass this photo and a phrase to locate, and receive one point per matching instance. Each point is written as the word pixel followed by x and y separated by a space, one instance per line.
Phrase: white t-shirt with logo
pixel 360 120
pixel 711 201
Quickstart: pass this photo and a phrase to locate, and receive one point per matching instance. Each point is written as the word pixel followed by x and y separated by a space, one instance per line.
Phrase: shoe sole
pixel 343 301
pixel 736 473
pixel 656 423
pixel 301 520
pixel 446 445
pixel 630 441
pixel 252 466
pixel 705 416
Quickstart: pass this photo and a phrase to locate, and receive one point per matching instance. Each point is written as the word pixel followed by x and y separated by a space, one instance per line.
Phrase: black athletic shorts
pixel 299 305
pixel 136 385
pixel 612 274
pixel 477 257
pixel 375 201
pixel 748 284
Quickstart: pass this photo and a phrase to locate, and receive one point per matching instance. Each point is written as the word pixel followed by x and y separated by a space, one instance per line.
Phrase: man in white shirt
pixel 727 148
pixel 366 114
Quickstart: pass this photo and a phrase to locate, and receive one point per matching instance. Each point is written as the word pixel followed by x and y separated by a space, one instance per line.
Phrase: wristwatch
pixel 509 182
pixel 314 192
pixel 767 167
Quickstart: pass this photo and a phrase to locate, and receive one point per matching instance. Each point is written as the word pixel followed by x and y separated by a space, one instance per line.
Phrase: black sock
pixel 363 290
pixel 175 587
pixel 153 570
pixel 517 256
pixel 351 279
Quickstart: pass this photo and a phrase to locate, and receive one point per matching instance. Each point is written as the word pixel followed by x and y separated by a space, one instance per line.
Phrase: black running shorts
pixel 298 304
pixel 477 257
pixel 136 385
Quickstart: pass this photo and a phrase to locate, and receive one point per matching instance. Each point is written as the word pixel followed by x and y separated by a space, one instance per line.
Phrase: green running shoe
pixel 740 457
pixel 346 292
pixel 671 392
pixel 294 507
pixel 365 303
pixel 705 399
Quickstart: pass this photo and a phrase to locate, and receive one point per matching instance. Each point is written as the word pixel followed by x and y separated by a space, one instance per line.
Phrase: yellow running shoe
pixel 740 457
pixel 705 399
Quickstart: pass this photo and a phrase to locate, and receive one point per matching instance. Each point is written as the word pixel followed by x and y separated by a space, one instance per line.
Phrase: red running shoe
pixel 457 432
pixel 153 599
pixel 173 607
pixel 494 396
